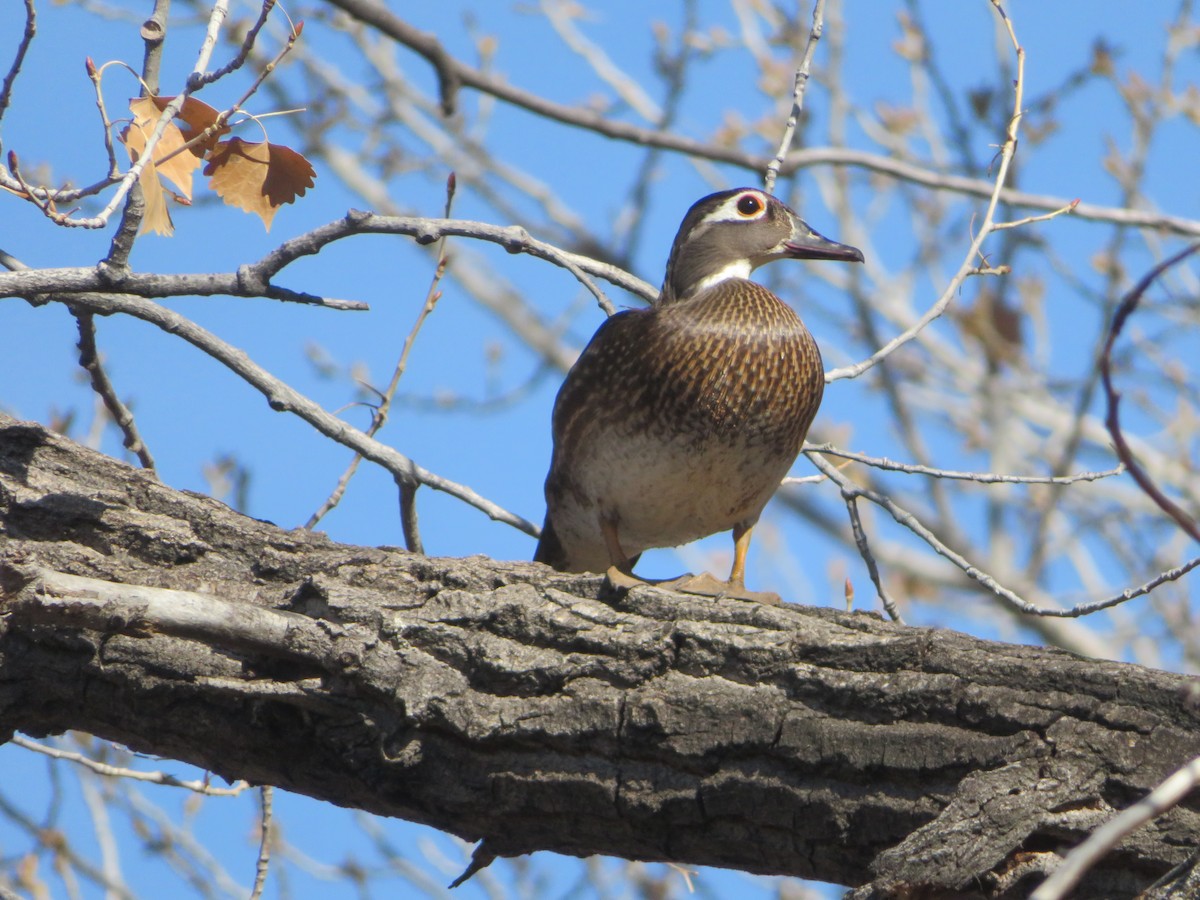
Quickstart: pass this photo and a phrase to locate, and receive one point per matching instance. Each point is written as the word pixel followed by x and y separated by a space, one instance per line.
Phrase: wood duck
pixel 680 420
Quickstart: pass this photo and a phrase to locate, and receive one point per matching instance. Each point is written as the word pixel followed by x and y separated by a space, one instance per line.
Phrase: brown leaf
pixel 179 168
pixel 258 178
pixel 197 117
pixel 997 326
pixel 157 217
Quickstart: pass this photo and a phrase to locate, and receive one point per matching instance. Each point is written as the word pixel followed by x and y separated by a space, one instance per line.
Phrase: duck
pixel 680 420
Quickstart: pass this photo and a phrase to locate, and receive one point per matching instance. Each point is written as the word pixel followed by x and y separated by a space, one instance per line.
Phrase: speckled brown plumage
pixel 680 420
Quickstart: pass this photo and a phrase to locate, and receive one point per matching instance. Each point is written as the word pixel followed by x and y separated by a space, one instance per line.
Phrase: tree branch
pixel 1113 399
pixel 526 708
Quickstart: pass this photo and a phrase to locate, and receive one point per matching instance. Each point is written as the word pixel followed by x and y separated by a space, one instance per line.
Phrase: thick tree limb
pixel 512 704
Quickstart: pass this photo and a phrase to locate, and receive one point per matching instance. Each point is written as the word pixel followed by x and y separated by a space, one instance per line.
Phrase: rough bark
pixel 531 710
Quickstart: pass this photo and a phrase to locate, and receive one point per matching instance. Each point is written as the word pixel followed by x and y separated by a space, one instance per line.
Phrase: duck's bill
pixel 815 246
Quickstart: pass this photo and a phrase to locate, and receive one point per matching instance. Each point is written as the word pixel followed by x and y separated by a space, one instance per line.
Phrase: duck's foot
pixel 707 585
pixel 704 585
pixel 618 579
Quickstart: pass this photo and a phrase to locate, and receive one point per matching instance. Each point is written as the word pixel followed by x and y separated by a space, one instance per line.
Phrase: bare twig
pixel 1029 220
pixel 154 32
pixel 248 281
pixel 408 516
pixel 14 70
pixel 864 549
pixel 801 82
pixel 199 80
pixel 913 524
pixel 199 787
pixel 114 171
pixel 882 462
pixel 89 359
pixel 560 15
pixel 1168 794
pixel 512 238
pixel 1007 151
pixel 1113 422
pixel 133 213
pixel 283 398
pixel 408 510
pixel 266 829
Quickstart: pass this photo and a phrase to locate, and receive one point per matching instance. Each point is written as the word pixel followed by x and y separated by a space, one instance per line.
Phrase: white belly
pixel 664 495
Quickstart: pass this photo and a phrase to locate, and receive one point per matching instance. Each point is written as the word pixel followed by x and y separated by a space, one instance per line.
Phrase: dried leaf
pixel 258 178
pixel 997 326
pixel 156 218
pixel 177 169
pixel 197 117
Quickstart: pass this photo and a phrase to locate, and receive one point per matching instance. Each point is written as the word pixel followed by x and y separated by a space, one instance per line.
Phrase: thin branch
pixel 246 282
pixel 153 32
pixel 243 52
pixel 561 16
pixel 22 48
pixel 283 398
pixel 408 510
pixel 102 827
pixel 1007 151
pixel 913 524
pixel 89 359
pixel 882 462
pixel 798 159
pixel 133 213
pixel 512 238
pixel 114 171
pixel 196 80
pixel 1166 795
pixel 864 549
pixel 1128 304
pixel 789 131
pixel 1029 220
pixel 199 787
pixel 262 864
pixel 408 516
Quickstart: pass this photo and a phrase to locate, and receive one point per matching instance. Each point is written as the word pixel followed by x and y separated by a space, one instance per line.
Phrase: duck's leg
pixel 620 572
pixel 709 586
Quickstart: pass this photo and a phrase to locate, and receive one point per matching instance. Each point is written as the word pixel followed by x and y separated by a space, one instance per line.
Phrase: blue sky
pixel 192 411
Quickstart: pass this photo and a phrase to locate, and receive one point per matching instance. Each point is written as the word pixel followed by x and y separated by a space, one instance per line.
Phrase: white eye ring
pixel 750 205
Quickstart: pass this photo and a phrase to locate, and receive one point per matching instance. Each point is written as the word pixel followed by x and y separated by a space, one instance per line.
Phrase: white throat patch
pixel 740 268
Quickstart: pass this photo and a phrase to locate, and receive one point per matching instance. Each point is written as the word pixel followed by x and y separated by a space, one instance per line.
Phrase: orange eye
pixel 749 205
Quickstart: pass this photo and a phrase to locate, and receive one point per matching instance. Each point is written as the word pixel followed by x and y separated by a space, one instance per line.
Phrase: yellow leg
pixel 708 586
pixel 620 572
pixel 741 545
pixel 612 542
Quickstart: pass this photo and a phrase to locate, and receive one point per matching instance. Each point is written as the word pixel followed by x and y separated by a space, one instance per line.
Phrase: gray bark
pixel 531 710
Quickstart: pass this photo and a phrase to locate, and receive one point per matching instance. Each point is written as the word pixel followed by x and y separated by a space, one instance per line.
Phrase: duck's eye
pixel 749 205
